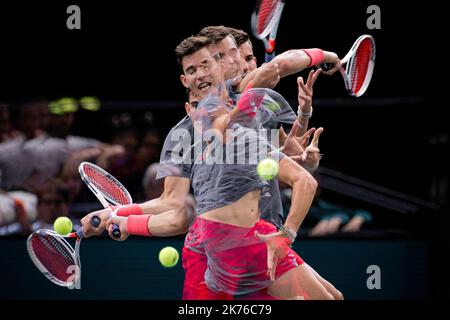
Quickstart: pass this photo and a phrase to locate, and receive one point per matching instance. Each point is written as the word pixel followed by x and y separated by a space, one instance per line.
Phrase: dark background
pixel 395 136
pixel 126 50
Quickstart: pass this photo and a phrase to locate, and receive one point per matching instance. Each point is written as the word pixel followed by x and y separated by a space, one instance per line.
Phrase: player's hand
pixel 267 76
pixel 311 156
pixel 277 248
pixel 305 91
pixel 332 58
pixel 121 222
pixel 293 145
pixel 88 229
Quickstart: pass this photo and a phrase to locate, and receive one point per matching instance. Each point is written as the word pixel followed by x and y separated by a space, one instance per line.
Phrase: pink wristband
pixel 128 210
pixel 316 55
pixel 138 225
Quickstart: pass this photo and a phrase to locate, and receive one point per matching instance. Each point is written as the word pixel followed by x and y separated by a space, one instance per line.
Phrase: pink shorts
pixel 251 257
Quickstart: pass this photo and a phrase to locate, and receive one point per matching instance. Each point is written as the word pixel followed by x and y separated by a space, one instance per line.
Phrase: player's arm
pixel 287 63
pixel 172 222
pixel 172 198
pixel 303 190
pixel 305 95
pixel 296 60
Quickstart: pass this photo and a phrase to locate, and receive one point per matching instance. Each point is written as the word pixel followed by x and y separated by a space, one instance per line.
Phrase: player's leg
pixel 299 282
pixel 337 295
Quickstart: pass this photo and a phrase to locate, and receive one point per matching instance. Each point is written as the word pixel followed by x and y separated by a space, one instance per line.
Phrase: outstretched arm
pixel 173 198
pixel 168 223
pixel 287 63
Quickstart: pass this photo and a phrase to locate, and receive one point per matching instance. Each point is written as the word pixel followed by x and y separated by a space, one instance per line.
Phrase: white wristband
pixel 290 234
pixel 304 114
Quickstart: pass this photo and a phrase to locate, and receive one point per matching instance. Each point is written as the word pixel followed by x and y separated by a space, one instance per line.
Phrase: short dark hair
pixel 189 46
pixel 239 35
pixel 215 33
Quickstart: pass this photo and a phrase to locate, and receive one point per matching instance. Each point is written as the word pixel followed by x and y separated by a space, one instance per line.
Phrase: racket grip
pixel 116 231
pixel 326 66
pixel 269 56
pixel 95 221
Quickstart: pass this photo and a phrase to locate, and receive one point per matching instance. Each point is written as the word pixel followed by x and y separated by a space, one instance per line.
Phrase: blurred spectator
pixel 23 213
pixel 53 203
pixel 17 210
pixel 17 155
pixel 325 218
pixel 149 149
pixel 139 154
pixel 154 188
pixel 29 119
pixel 33 156
pixel 5 123
pixel 335 218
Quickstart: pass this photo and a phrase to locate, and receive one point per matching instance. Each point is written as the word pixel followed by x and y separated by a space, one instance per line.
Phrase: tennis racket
pixel 108 190
pixel 357 65
pixel 53 255
pixel 264 22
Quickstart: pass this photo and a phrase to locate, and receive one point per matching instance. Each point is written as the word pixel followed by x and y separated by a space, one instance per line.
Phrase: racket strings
pixel 360 65
pixel 265 13
pixel 106 186
pixel 53 256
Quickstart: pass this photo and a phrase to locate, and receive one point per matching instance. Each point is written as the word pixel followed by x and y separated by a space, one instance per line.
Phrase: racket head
pixel 102 182
pixel 265 18
pixel 54 257
pixel 360 61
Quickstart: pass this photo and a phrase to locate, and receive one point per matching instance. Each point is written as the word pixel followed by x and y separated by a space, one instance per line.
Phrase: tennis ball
pixel 267 169
pixel 62 226
pixel 168 257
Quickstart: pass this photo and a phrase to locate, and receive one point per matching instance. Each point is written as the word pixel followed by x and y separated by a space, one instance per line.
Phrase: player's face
pixel 229 53
pixel 247 55
pixel 201 72
pixel 191 106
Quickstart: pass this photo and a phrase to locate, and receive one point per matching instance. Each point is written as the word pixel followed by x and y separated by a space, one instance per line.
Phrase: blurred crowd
pixel 39 159
pixel 40 155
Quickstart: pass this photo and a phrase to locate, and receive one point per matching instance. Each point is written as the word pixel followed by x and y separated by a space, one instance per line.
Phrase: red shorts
pixel 252 258
pixel 195 288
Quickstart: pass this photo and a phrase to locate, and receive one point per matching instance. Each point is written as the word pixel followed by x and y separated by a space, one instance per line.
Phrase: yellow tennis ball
pixel 168 257
pixel 267 169
pixel 62 226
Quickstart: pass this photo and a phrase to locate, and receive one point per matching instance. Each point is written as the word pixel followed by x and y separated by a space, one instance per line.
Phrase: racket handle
pixel 116 231
pixel 95 221
pixel 269 56
pixel 326 66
